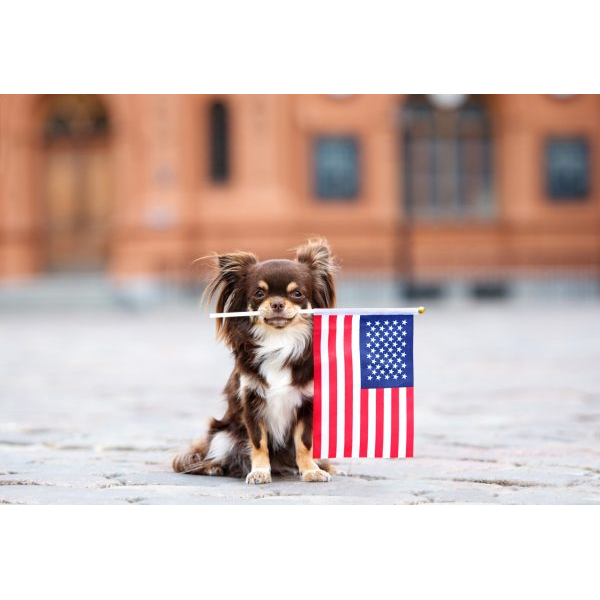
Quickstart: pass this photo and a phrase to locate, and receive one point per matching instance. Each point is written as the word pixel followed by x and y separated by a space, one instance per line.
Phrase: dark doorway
pixel 76 183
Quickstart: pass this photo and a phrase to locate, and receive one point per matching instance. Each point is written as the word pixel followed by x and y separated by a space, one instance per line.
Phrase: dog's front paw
pixel 316 475
pixel 259 476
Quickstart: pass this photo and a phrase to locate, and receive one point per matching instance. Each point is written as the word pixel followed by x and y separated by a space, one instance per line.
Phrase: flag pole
pixel 419 310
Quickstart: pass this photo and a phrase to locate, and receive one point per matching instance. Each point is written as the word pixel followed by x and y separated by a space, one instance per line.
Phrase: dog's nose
pixel 277 305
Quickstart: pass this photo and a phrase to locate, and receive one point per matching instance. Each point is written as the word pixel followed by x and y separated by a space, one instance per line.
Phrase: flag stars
pixel 384 346
pixel 404 322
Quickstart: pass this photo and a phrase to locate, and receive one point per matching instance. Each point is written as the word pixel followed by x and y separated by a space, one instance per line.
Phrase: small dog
pixel 268 423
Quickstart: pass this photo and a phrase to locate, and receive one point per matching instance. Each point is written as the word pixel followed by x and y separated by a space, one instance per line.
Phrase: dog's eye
pixel 297 294
pixel 259 294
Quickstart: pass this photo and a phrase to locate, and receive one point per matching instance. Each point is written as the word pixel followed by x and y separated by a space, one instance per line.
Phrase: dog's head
pixel 277 289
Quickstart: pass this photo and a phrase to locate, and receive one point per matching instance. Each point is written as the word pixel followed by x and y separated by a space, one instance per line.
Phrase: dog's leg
pixel 260 472
pixel 309 469
pixel 259 455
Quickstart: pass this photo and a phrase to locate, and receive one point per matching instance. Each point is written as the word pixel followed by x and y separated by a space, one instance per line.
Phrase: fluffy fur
pixel 267 426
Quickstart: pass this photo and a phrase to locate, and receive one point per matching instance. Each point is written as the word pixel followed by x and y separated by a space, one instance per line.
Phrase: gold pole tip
pixel 421 310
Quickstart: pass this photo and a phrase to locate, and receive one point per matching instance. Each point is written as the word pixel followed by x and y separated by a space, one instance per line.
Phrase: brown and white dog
pixel 268 423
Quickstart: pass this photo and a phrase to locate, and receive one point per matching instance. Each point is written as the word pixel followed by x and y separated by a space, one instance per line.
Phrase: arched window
pixel 447 160
pixel 219 142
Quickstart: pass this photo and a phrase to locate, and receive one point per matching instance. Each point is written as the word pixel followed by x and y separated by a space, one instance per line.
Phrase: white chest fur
pixel 282 398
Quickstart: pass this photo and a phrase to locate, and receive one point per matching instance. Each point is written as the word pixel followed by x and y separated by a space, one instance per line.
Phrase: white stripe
pixel 372 418
pixel 355 385
pixel 324 386
pixel 402 428
pixel 387 422
pixel 341 385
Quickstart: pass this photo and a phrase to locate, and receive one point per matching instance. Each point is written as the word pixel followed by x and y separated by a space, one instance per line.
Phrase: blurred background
pixel 110 198
pixel 485 209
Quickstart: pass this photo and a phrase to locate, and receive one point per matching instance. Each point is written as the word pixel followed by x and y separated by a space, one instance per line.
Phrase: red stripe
pixel 364 422
pixel 379 423
pixel 395 423
pixel 317 394
pixel 332 387
pixel 348 382
pixel 410 428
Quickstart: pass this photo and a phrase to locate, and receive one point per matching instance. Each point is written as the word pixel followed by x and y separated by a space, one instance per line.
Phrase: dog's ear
pixel 316 254
pixel 227 286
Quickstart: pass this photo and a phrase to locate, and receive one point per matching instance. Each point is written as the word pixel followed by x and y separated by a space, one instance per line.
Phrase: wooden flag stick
pixel 331 311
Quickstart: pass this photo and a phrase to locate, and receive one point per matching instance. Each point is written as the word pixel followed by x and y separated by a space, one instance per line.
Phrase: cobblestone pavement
pixel 93 405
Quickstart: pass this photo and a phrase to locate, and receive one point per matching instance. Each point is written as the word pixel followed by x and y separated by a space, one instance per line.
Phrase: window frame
pixel 446 135
pixel 355 142
pixel 566 199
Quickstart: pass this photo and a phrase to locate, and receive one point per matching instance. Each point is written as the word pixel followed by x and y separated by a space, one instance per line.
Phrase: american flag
pixel 363 403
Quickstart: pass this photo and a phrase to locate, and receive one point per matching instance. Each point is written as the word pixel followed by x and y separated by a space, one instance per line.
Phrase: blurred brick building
pixel 430 186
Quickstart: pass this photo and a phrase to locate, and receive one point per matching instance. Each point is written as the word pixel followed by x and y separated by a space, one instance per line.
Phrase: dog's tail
pixel 189 462
pixel 194 464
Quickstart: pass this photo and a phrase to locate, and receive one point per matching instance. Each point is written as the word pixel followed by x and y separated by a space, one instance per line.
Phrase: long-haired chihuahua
pixel 267 427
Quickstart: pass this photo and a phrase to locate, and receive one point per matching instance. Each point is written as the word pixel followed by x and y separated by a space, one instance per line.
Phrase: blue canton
pixel 386 351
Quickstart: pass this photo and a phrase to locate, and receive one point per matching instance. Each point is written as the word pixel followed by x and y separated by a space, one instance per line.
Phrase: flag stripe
pixel 409 421
pixel 341 386
pixel 372 422
pixel 325 387
pixel 349 385
pixel 378 422
pixel 356 395
pixel 402 439
pixel 317 402
pixel 364 422
pixel 395 423
pixel 332 386
pixel 387 426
